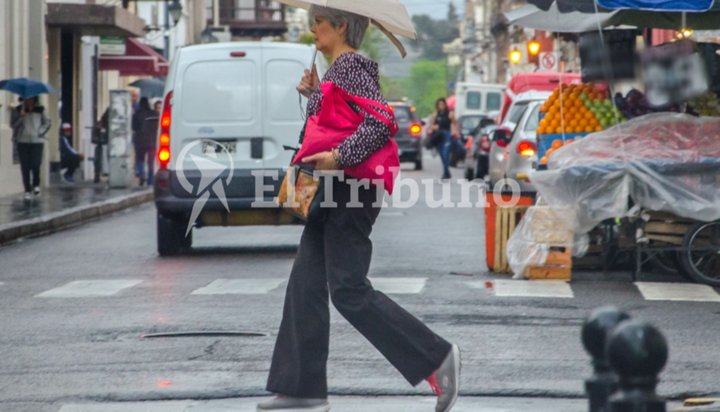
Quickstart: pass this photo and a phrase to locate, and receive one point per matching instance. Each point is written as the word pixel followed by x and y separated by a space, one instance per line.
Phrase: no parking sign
pixel 548 61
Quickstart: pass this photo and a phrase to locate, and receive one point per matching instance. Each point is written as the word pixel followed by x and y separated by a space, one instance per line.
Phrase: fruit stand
pixel 656 166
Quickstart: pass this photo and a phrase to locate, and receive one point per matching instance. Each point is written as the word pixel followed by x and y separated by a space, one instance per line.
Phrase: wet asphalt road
pixel 65 349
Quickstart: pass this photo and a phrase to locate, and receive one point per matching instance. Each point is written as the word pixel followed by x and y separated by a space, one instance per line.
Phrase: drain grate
pixel 205 333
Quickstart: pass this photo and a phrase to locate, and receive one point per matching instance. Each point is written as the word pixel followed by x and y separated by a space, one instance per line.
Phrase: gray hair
pixel 356 24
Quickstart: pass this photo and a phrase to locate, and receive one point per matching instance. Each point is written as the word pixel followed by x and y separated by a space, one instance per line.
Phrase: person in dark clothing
pixel 442 122
pixel 335 251
pixel 144 124
pixel 30 126
pixel 69 157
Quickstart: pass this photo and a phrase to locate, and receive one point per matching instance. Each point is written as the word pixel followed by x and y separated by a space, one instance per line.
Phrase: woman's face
pixel 441 106
pixel 327 37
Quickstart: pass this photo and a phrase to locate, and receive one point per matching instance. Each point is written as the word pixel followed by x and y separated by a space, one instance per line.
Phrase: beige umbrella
pixel 390 16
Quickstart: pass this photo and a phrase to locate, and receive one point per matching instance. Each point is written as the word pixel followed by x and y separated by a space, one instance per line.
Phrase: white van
pixel 229 111
pixel 478 99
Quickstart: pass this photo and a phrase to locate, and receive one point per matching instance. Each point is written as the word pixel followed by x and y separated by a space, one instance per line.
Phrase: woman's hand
pixel 322 160
pixel 309 82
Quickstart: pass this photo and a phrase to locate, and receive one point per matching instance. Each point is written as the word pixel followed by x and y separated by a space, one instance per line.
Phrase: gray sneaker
pixel 289 404
pixel 445 381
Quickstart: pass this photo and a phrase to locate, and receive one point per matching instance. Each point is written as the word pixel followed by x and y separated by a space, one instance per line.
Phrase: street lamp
pixel 173 10
pixel 515 56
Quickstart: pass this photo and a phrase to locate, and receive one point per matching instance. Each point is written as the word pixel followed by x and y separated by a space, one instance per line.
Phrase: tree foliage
pixel 427 82
pixel 432 34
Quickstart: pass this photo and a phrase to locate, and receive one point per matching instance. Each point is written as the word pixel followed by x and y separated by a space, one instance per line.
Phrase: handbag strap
pixel 371 107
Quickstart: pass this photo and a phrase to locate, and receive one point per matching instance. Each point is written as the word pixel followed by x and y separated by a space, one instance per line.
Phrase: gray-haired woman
pixel 335 251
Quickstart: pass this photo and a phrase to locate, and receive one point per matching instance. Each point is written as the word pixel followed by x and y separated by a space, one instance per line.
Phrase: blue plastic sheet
pixel 658 5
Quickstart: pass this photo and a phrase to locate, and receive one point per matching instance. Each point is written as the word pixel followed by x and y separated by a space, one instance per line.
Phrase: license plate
pixel 218 147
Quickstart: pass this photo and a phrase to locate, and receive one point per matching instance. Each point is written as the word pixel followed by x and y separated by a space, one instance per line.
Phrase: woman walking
pixel 335 252
pixel 442 122
pixel 30 126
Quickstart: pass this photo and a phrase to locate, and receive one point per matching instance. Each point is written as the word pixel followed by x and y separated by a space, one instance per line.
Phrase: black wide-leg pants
pixel 334 256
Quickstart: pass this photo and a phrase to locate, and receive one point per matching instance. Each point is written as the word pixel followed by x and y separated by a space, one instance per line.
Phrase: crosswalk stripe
pixel 89 288
pixel 399 286
pixel 170 406
pixel 239 286
pixel 526 288
pixel 677 292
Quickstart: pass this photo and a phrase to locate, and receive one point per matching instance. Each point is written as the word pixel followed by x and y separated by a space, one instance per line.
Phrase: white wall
pixel 14 62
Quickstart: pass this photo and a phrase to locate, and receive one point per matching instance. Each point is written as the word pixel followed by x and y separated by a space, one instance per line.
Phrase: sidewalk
pixel 63 206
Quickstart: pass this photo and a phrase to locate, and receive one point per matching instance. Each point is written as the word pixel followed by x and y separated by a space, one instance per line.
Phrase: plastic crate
pixel 544 141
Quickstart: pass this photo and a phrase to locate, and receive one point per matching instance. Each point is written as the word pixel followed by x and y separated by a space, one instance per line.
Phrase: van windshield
pixel 493 101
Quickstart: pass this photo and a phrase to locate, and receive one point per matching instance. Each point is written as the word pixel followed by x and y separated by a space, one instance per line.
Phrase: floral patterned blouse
pixel 358 76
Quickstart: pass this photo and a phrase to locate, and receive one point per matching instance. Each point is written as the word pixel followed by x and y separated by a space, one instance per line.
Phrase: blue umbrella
pixel 25 87
pixel 659 5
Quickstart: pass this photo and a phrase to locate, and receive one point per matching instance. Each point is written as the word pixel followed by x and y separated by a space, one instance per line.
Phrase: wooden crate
pixel 548 272
pixel 506 219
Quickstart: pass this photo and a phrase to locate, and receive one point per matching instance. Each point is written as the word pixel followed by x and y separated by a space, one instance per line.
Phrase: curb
pixel 64 219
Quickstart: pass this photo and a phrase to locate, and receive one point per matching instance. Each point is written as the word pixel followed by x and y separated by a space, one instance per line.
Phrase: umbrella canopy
pixel 661 5
pixel 588 6
pixel 25 87
pixel 553 19
pixel 150 87
pixel 390 16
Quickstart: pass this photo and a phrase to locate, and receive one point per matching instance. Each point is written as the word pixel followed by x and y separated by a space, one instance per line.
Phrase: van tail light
pixel 485 143
pixel 469 143
pixel 526 149
pixel 415 129
pixel 163 153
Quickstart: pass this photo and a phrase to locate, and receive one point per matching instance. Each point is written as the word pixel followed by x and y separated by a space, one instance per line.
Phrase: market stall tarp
pixel 663 162
pixel 554 19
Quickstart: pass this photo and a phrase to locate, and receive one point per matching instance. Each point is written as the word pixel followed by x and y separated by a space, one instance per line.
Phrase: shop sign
pixel 112 45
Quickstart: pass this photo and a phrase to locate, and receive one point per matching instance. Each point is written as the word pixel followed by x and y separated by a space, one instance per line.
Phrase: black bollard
pixel 637 352
pixel 595 331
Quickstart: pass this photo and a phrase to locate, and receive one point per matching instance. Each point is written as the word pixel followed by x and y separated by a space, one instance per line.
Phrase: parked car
pixel 230 110
pixel 409 135
pixel 478 146
pixel 514 152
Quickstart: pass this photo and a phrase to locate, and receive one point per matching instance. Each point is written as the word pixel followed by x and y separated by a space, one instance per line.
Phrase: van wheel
pixel 171 236
pixel 418 164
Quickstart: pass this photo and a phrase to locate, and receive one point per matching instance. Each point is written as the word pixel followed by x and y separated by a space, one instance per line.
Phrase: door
pixel 283 108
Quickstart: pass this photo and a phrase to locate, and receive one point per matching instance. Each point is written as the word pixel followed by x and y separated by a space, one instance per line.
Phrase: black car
pixel 409 134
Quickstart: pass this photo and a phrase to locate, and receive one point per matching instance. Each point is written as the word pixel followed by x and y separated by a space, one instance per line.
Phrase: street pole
pixel 167 30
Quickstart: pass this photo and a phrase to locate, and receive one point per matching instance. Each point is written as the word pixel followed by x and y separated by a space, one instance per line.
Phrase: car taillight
pixel 469 143
pixel 485 143
pixel 415 129
pixel 163 153
pixel 526 149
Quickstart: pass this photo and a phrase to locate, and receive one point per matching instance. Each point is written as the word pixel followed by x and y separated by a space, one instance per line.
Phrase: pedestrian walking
pixel 144 125
pixel 442 123
pixel 69 157
pixel 335 251
pixel 30 126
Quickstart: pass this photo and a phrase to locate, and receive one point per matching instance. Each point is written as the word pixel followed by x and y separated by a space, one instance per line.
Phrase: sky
pixel 436 8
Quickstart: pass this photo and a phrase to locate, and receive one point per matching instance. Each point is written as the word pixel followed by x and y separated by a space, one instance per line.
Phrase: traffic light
pixel 515 56
pixel 533 51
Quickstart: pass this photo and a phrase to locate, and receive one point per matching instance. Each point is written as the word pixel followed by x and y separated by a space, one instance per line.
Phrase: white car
pixel 502 137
